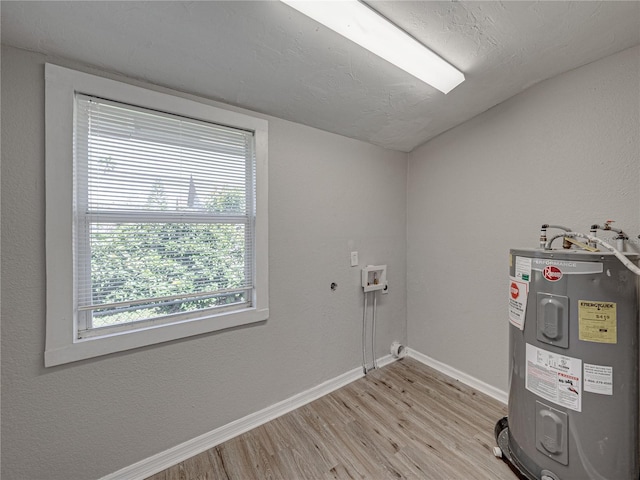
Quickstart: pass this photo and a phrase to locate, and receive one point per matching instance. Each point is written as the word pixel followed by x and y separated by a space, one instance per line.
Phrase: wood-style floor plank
pixel 404 421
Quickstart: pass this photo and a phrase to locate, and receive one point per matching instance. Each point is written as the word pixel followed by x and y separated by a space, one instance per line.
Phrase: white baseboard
pixel 163 460
pixel 473 382
pixel 386 360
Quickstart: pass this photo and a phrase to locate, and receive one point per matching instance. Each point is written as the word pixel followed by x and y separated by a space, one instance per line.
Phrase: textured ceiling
pixel 269 58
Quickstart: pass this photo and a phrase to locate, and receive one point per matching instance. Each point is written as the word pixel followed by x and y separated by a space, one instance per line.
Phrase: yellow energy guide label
pixel 597 321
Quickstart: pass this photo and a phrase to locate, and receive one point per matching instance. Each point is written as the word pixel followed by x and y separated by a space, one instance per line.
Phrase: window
pixel 156 217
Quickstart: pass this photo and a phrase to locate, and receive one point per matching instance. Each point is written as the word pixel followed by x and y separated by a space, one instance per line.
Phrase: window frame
pixel 62 345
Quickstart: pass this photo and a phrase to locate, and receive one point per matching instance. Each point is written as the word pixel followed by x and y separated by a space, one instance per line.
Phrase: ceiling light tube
pixel 362 25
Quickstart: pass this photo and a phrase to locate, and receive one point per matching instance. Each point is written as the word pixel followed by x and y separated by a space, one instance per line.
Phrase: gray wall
pixel 566 151
pixel 328 195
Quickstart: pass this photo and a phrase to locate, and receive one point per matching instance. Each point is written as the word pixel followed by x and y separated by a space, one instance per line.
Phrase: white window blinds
pixel 164 216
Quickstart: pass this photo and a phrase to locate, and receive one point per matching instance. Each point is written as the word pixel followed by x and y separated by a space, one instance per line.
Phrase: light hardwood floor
pixel 402 421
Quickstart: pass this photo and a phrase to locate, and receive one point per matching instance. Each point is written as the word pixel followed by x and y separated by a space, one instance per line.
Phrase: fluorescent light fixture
pixel 360 24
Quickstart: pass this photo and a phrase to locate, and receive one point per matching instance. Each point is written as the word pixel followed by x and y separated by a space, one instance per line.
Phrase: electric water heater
pixel 573 363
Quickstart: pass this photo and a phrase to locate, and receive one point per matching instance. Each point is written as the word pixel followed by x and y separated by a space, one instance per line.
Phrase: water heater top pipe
pixel 620 238
pixel 607 226
pixel 560 227
pixel 543 234
pixel 620 256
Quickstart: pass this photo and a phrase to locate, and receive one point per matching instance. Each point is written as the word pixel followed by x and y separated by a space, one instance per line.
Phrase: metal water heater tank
pixel 573 361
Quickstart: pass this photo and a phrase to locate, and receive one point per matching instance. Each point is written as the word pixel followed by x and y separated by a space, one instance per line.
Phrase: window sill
pixel 127 340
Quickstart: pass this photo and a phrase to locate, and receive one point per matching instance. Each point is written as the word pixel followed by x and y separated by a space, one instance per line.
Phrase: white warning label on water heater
pixel 598 379
pixel 523 268
pixel 556 378
pixel 518 293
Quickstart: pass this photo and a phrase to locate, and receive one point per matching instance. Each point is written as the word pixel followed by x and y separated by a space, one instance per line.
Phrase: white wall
pixel 566 151
pixel 328 195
